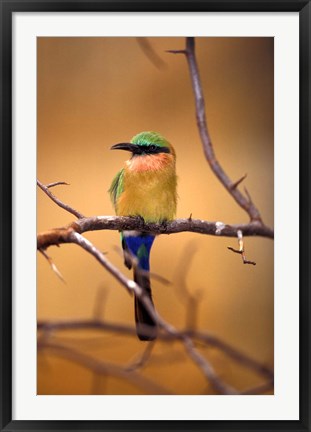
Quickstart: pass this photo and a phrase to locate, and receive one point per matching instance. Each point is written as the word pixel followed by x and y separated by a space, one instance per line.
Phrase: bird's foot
pixel 140 219
pixel 163 225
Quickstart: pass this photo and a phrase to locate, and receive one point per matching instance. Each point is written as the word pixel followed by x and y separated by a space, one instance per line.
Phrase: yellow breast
pixel 149 188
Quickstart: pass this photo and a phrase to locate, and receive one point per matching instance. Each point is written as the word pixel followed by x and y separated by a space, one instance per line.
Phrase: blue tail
pixel 139 246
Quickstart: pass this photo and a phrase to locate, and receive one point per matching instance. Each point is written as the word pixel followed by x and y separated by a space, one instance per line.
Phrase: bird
pixel 145 187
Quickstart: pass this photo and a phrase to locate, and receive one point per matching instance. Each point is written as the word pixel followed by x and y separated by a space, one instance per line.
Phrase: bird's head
pixel 146 143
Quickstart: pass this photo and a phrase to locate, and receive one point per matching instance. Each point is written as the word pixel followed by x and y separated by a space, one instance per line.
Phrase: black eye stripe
pixel 152 149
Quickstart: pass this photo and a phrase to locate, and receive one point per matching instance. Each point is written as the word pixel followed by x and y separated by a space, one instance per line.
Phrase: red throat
pixel 150 162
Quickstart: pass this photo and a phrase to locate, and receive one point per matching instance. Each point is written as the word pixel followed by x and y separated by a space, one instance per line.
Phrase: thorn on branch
pixel 236 184
pixel 190 217
pixel 241 249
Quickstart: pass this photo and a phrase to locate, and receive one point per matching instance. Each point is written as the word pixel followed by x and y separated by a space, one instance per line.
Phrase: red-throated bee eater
pixel 145 187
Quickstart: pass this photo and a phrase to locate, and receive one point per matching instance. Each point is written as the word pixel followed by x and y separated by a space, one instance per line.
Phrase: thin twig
pixel 241 249
pixel 207 369
pixel 101 258
pixel 58 201
pixel 59 183
pixel 53 266
pixel 142 359
pixel 232 352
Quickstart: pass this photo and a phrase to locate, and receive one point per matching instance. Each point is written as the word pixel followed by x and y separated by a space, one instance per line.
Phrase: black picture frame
pixel 8 7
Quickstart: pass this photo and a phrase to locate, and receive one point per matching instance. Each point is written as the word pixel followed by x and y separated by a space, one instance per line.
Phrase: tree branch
pixel 72 234
pixel 133 287
pixel 101 367
pixel 56 200
pixel 57 236
pixel 204 338
pixel 241 250
pixel 245 203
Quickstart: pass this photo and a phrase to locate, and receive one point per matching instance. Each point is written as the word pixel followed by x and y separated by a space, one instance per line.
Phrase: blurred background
pixel 95 92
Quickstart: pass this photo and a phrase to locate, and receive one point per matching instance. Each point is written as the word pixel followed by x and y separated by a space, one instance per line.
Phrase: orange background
pixel 95 92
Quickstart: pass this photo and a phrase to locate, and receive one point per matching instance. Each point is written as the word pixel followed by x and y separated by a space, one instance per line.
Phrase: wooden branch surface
pixel 61 235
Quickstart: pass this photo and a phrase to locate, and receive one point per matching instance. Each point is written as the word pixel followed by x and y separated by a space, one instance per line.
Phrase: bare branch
pixel 71 235
pixel 207 368
pixel 142 359
pixel 61 235
pixel 53 266
pixel 231 187
pixel 58 201
pixel 133 287
pixel 104 368
pixel 205 338
pixel 89 247
pixel 241 249
pixel 233 353
pixel 58 236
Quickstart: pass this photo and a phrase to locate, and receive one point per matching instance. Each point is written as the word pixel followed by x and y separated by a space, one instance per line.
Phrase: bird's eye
pixel 152 147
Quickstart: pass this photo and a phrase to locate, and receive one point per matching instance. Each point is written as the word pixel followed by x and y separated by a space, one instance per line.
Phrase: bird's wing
pixel 115 191
pixel 116 187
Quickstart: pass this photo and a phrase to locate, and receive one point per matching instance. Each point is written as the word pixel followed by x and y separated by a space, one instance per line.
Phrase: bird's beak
pixel 125 146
